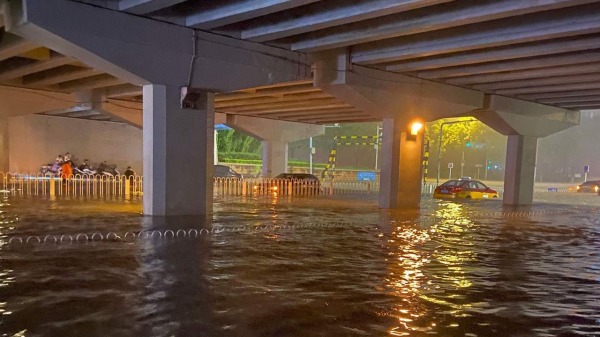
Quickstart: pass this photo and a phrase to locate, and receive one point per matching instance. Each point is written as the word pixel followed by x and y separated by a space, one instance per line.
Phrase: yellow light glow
pixel 274 188
pixel 415 128
pixel 595 188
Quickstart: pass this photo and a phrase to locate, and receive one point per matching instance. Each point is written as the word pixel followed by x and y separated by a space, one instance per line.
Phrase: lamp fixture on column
pixel 414 130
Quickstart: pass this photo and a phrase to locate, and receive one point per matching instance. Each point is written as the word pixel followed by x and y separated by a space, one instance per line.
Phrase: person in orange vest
pixel 66 168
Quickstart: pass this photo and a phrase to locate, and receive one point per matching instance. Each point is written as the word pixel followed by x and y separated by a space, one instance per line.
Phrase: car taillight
pixel 456 189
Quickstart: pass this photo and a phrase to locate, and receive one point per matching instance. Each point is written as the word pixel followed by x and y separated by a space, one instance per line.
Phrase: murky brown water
pixel 452 269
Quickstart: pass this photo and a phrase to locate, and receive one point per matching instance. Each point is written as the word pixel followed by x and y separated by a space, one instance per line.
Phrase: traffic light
pixel 468 142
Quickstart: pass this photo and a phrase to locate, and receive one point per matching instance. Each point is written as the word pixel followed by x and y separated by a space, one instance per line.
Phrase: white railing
pixel 105 185
pixel 73 185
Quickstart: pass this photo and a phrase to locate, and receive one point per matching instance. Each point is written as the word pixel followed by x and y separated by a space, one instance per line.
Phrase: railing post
pixel 128 186
pixel 52 187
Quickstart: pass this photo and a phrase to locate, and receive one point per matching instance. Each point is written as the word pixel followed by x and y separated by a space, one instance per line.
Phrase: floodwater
pixel 451 269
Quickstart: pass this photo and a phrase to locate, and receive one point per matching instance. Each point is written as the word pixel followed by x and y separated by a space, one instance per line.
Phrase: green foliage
pixel 230 141
pixel 456 134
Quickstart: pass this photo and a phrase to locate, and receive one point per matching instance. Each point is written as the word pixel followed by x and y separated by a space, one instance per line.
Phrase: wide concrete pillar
pixel 4 155
pixel 274 158
pixel 401 168
pixel 520 170
pixel 178 153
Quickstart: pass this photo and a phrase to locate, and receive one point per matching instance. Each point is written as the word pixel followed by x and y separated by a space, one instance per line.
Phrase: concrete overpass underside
pixel 526 68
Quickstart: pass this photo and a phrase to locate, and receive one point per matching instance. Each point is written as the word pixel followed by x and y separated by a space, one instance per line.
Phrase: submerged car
pixel 590 186
pixel 222 171
pixel 290 184
pixel 464 188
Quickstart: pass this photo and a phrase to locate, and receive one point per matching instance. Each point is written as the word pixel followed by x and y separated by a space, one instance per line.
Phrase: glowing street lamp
pixel 415 128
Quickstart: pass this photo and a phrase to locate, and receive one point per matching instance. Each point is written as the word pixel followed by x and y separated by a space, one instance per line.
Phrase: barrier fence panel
pixel 74 185
pixel 109 186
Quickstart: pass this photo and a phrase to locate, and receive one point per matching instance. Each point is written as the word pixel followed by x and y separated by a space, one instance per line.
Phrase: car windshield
pixel 222 171
pixel 588 183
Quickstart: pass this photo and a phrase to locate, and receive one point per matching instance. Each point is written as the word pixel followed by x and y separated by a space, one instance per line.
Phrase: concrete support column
pixel 520 170
pixel 178 153
pixel 401 168
pixel 4 155
pixel 274 158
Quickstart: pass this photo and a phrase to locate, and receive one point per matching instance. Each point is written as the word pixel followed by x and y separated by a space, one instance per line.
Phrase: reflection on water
pixel 441 271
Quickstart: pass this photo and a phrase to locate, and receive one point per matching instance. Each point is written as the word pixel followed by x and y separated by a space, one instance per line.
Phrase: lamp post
pixel 377 146
pixel 440 143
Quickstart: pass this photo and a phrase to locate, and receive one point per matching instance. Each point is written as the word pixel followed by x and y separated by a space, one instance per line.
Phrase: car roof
pixel 296 176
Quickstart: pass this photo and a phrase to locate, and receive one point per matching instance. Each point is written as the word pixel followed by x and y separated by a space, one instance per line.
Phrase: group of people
pixel 65 167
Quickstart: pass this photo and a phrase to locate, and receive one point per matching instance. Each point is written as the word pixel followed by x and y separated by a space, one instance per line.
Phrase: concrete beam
pixel 95 82
pixel 560 94
pixel 222 15
pixel 424 20
pixel 81 114
pixel 59 77
pixel 12 46
pixel 285 106
pixel 269 129
pixel 510 52
pixel 574 99
pixel 125 90
pixel 63 112
pixel 544 26
pixel 527 74
pixel 21 101
pixel 549 88
pixel 35 67
pixel 513 65
pixel 275 92
pixel 337 119
pixel 388 95
pixel 128 112
pixel 590 106
pixel 330 14
pixel 581 105
pixel 339 112
pixel 265 100
pixel 536 82
pixel 315 109
pixel 146 6
pixel 141 51
pixel 511 116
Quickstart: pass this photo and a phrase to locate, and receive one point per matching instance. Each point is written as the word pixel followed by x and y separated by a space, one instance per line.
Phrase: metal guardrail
pixel 73 185
pixel 105 185
pixel 284 187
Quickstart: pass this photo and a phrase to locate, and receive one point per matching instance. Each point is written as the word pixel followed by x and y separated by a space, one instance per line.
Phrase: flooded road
pixel 450 269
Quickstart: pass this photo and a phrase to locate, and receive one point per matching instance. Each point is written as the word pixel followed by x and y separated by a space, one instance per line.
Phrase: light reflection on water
pixel 440 271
